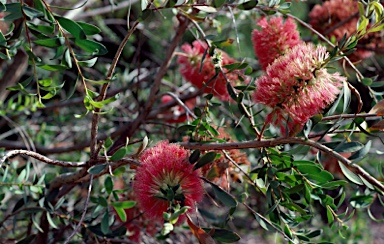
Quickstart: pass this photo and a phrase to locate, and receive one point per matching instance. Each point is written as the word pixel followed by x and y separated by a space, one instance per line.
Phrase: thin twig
pixel 101 97
pixel 41 158
pixel 350 116
pixel 84 212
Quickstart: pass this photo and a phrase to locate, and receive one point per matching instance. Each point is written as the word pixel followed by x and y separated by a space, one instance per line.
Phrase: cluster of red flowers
pixel 336 18
pixel 165 171
pixel 273 39
pixel 202 73
pixel 296 85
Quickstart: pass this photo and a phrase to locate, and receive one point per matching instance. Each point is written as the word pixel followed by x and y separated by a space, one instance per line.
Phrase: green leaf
pixel 53 67
pixel 167 228
pixel 119 154
pixel 194 156
pixel 14 10
pixel 330 216
pixel 108 184
pixel 45 82
pixel 359 155
pixel 89 29
pixel 361 201
pixel 376 29
pixel 350 175
pixel 333 184
pixel 348 147
pixel 309 169
pixel 105 223
pixel 363 24
pixel 223 235
pixel 205 159
pixel 51 42
pixel 102 201
pixel 314 233
pixel 248 5
pixel 224 196
pixel 184 128
pixel 124 204
pixel 121 213
pixel 31 12
pixel 51 222
pixel 72 27
pixel 366 81
pixel 45 29
pixel 97 169
pixel 321 177
pixel 88 63
pixel 92 47
pixel 218 3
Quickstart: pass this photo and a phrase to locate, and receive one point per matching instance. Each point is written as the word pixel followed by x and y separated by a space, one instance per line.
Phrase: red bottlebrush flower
pixel 341 17
pixel 176 114
pixel 274 39
pixel 296 85
pixel 191 64
pixel 164 171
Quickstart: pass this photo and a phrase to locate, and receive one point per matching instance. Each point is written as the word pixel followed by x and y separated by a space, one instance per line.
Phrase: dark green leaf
pixel 89 29
pixel 248 5
pixel 314 233
pixel 119 154
pixel 348 147
pixel 321 177
pixel 359 155
pixel 224 196
pixel 97 169
pixel 105 223
pixel 92 47
pixel 108 183
pixel 72 27
pixel 333 184
pixel 145 14
pixel 361 201
pixel 205 159
pixel 366 81
pixel 51 42
pixel 194 156
pixel 31 12
pixel 309 169
pixel 218 3
pixel 14 10
pixel 223 235
pixel 102 201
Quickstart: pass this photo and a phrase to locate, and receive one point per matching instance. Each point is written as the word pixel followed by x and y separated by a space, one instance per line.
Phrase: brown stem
pixel 101 97
pixel 41 158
